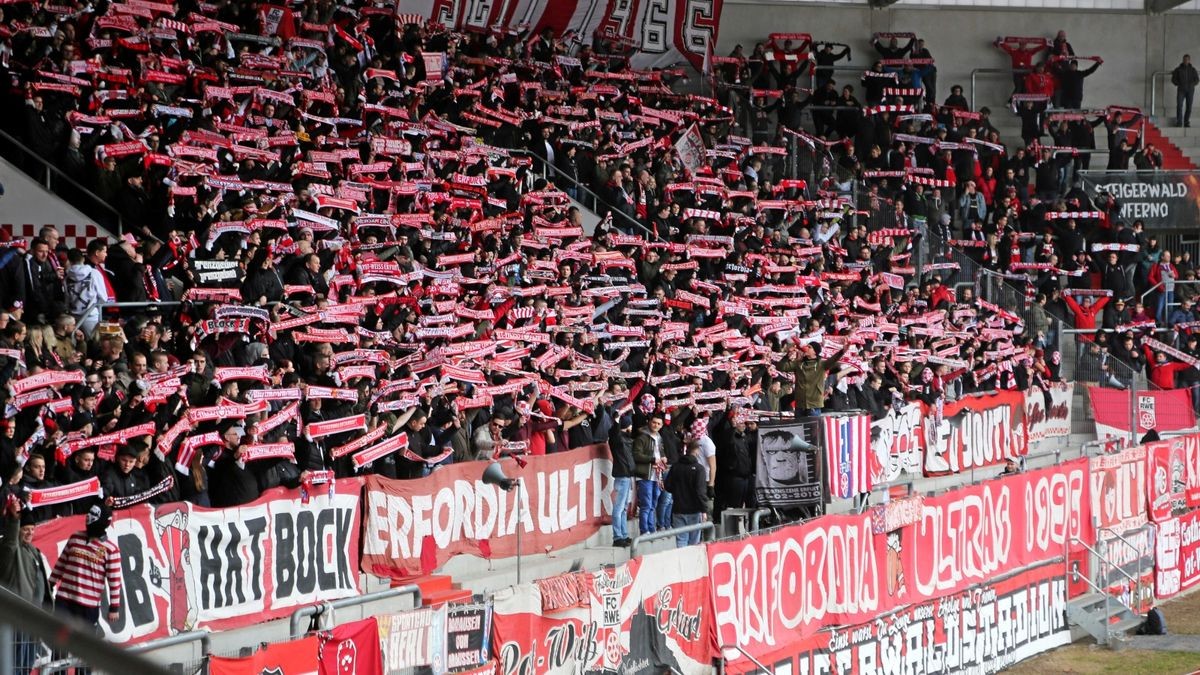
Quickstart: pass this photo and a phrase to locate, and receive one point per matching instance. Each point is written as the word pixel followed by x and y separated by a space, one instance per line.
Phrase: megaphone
pixel 494 475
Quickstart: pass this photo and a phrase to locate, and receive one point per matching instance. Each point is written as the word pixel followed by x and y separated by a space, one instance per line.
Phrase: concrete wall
pixel 26 201
pixel 1133 45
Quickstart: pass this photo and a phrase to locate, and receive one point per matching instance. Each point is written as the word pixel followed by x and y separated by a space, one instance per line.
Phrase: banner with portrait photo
pixel 789 472
pixel 1119 490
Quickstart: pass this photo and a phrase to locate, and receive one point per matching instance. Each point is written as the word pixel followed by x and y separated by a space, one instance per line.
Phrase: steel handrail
pixel 322 607
pixel 1149 291
pixel 1139 551
pixel 596 199
pixel 747 655
pixel 201 636
pixel 1154 89
pixel 991 71
pixel 1106 562
pixel 705 527
pixel 50 168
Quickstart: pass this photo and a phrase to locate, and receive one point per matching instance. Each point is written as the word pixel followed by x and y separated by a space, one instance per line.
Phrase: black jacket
pixel 735 456
pixel 688 487
pixel 230 484
pixel 621 447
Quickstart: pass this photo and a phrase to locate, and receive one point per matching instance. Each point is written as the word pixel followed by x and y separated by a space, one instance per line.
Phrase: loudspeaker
pixel 494 475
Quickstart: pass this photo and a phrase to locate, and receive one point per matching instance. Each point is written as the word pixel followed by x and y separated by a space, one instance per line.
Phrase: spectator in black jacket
pixel 1185 78
pixel 620 444
pixel 735 466
pixel 34 478
pixel 689 492
pixel 1070 83
pixel 122 478
pixel 232 483
pixel 80 466
pixel 43 284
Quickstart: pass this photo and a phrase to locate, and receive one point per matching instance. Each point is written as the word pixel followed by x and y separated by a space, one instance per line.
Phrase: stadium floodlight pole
pixel 63 635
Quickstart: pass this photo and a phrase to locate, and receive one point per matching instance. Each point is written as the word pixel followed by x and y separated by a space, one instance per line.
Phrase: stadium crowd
pixel 337 229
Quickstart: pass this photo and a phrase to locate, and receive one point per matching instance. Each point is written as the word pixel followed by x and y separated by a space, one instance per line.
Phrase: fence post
pixel 6 649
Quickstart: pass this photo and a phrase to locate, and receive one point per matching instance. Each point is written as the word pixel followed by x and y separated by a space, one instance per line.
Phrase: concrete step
pixel 447 596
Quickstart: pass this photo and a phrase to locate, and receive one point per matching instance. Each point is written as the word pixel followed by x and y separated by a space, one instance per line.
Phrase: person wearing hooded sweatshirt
pixel 87 286
pixel 87 563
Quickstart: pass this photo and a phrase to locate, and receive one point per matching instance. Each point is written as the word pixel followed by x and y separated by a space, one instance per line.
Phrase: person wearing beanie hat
pixel 22 572
pixel 87 563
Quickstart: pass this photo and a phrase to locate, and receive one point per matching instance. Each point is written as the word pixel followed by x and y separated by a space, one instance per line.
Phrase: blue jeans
pixel 666 506
pixel 620 518
pixel 1183 105
pixel 687 538
pixel 648 492
pixel 1165 298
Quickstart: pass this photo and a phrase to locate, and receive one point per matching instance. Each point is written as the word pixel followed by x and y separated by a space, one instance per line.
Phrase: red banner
pixel 350 648
pixel 1161 410
pixel 772 590
pixel 1119 490
pixel 414 526
pixel 975 431
pixel 298 657
pixel 1177 555
pixel 1169 475
pixel 648 615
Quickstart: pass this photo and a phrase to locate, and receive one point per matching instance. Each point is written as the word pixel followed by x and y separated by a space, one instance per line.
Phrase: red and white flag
pixel 848 454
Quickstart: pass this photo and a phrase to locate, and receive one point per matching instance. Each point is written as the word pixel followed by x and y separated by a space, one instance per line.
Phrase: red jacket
pixel 1039 83
pixel 1156 272
pixel 1085 317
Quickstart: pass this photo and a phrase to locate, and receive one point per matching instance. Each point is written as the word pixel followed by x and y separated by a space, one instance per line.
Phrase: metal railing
pixel 321 608
pixel 1103 590
pixel 51 175
pixel 1154 92
pixel 743 652
pixel 64 636
pixel 201 636
pixel 706 529
pixel 588 198
pixel 991 71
